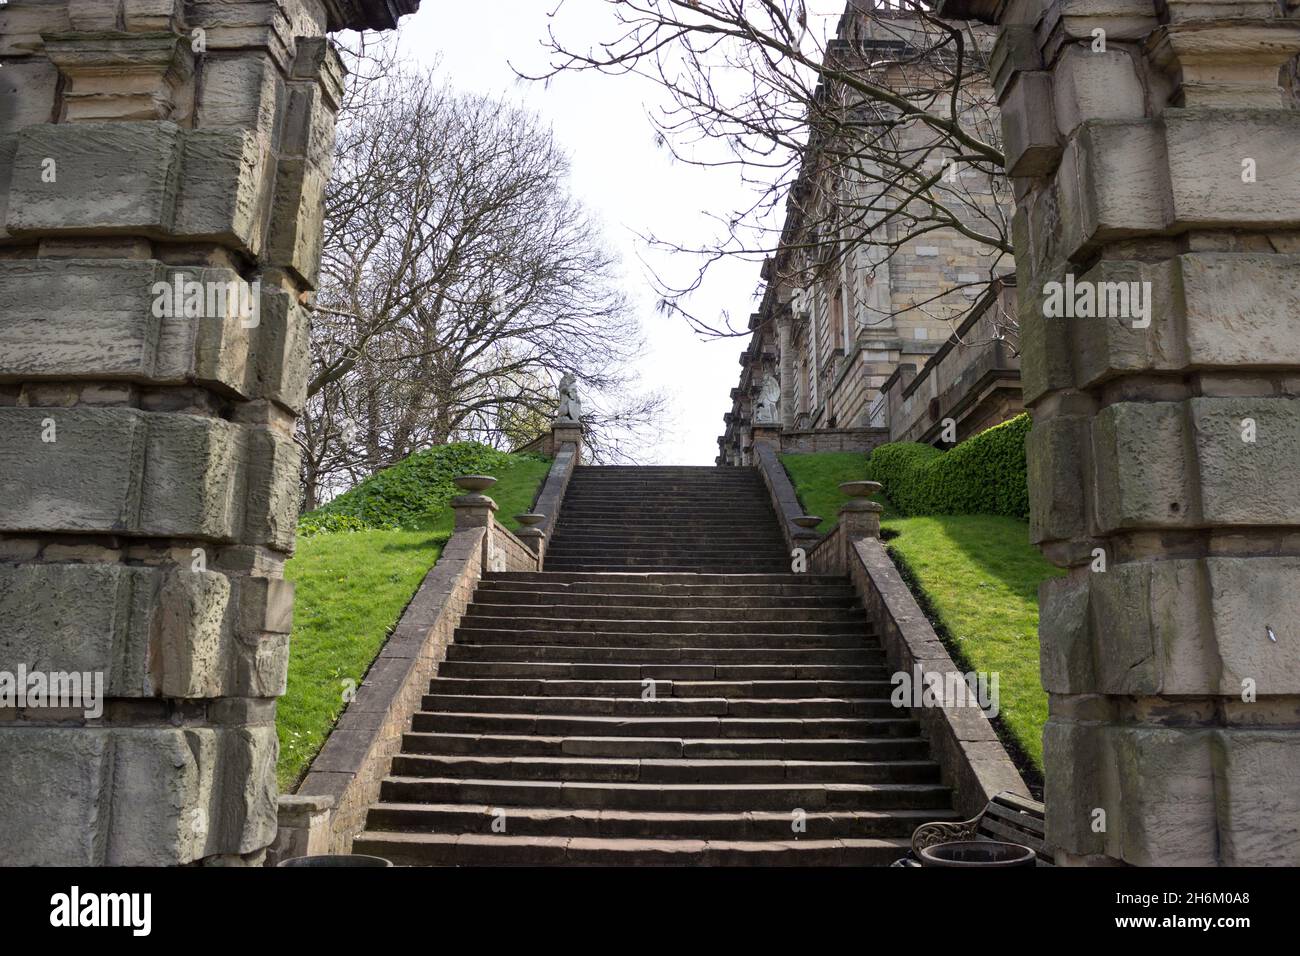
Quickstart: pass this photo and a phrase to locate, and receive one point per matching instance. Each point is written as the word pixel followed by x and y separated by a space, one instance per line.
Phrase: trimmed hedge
pixel 404 496
pixel 985 474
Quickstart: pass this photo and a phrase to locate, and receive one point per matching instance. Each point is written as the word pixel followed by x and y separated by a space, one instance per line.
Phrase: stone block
pixel 1028 126
pixel 247 92
pixel 1239 309
pixel 1113 183
pixel 152 15
pixel 27 91
pixel 1056 453
pixel 162 796
pixel 123 76
pixel 195 467
pixel 297 214
pixel 225 188
pixel 1206 148
pixel 1014 51
pixel 1141 468
pixel 1095 85
pixel 283 361
pixel 109 179
pixel 1066 651
pixel 271 498
pixel 1166 813
pixel 1248 597
pixel 309 125
pixel 1247 482
pixel 22 22
pixel 100 324
pixel 152 632
pixel 59 815
pixel 1257 780
pixel 89 478
pixel 1081 762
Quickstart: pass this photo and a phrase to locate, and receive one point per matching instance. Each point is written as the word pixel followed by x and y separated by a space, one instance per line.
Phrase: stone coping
pixel 551 497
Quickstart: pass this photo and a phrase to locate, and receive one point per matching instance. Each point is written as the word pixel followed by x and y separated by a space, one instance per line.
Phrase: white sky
pixel 625 179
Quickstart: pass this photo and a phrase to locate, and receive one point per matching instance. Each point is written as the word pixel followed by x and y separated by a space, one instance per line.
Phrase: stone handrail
pixel 551 497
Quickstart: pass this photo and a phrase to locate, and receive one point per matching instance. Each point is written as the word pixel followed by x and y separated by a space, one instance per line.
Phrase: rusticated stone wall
pixel 1157 143
pixel 162 166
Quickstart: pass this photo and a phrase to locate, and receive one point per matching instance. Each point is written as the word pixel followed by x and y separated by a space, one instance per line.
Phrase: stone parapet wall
pixel 962 740
pixel 808 441
pixel 162 173
pixel 357 755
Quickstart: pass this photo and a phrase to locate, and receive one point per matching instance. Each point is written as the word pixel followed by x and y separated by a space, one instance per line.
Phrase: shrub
pixel 985 474
pixel 404 495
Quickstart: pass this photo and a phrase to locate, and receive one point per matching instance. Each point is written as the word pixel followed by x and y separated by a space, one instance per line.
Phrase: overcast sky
pixel 627 181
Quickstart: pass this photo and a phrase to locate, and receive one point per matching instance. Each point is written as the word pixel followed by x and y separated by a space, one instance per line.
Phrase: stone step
pixel 486 598
pixel 746 640
pixel 662 770
pixel 662 706
pixel 662 687
pixel 595 725
pixel 785 797
pixel 736 592
pixel 608 610
pixel 560 670
pixel 585 566
pixel 660 578
pixel 452 818
pixel 690 748
pixel 857 652
pixel 611 537
pixel 479 619
pixel 477 849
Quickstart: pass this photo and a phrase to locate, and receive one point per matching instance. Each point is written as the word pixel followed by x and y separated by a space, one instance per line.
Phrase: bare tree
pixel 459 280
pixel 854 143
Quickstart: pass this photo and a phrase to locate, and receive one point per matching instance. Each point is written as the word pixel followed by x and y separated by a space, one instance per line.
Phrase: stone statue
pixel 570 409
pixel 767 410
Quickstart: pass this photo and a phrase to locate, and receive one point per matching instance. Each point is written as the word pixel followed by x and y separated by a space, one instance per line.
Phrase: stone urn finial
pixel 474 484
pixel 861 489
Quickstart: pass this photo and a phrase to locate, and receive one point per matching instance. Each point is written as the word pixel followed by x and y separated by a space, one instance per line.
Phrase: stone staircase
pixel 665 692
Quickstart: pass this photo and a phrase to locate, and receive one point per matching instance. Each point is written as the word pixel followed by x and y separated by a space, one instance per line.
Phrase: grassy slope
pixel 351 590
pixel 980 575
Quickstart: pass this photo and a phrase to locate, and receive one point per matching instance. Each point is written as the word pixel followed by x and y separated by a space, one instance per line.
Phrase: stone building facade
pixel 162 167
pixel 826 341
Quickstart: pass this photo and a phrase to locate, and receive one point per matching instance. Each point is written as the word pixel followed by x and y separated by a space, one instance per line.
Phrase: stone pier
pixel 1156 143
pixel 162 167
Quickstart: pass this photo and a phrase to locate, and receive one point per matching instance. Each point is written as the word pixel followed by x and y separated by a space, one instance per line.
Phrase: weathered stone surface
pixel 1257 776
pixel 1055 452
pixel 1242 481
pixel 282 353
pixel 247 92
pixel 225 188
pixel 194 466
pixel 295 241
pixel 110 178
pixel 1028 125
pixel 1205 149
pixel 1142 477
pixel 1090 84
pixel 55 810
pixel 100 324
pixel 88 479
pixel 271 495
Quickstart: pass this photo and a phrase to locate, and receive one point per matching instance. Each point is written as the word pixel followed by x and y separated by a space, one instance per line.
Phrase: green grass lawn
pixel 979 578
pixel 351 589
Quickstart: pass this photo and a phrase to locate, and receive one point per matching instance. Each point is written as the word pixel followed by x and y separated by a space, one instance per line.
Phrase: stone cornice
pixel 367 14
